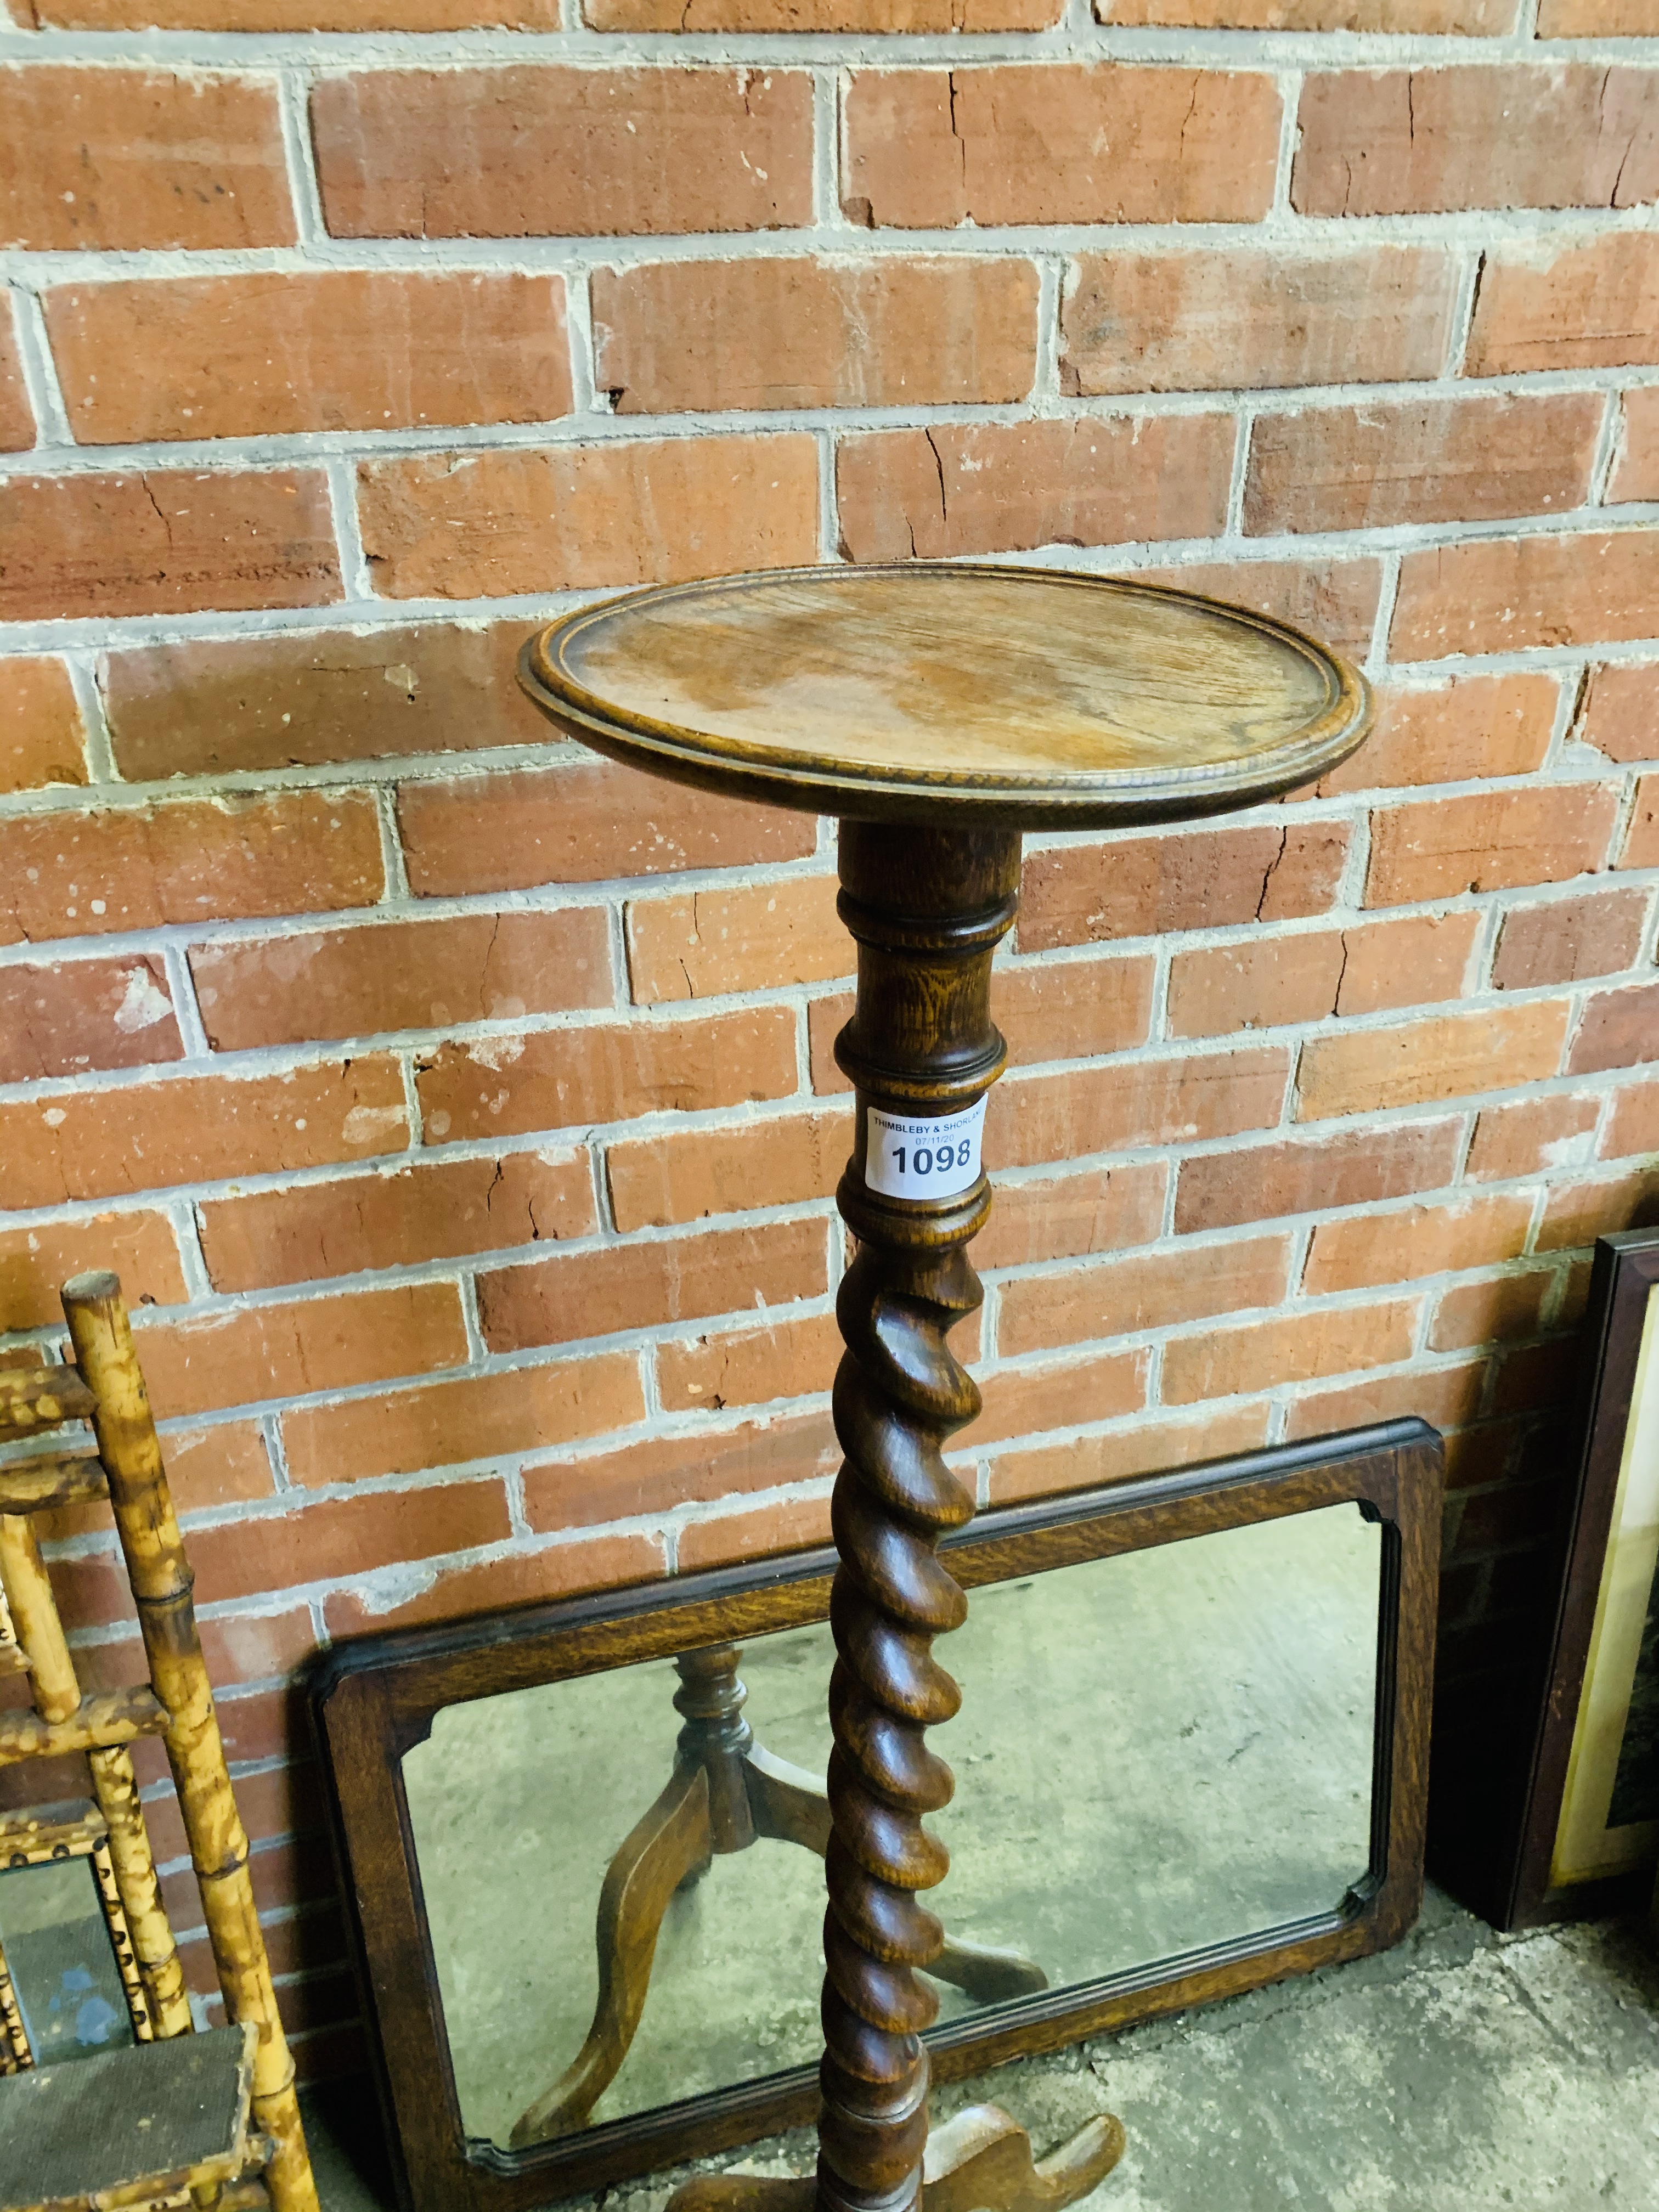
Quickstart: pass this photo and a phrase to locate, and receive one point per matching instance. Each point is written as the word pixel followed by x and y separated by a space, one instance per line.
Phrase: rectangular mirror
pixel 55 1950
pixel 1189 1759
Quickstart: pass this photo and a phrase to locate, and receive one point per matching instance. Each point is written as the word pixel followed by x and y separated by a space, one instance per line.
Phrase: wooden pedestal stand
pixel 939 712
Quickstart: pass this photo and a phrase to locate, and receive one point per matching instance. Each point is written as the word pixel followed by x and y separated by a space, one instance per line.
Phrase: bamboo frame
pixel 81 1833
pixel 162 1585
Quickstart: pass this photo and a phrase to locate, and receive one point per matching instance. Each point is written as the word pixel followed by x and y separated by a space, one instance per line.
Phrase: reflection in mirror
pixel 55 1941
pixel 1159 1750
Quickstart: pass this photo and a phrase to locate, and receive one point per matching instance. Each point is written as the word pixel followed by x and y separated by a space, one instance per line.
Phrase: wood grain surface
pixel 1020 696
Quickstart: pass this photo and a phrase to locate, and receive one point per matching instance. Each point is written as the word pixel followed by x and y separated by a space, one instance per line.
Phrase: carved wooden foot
pixel 981 2161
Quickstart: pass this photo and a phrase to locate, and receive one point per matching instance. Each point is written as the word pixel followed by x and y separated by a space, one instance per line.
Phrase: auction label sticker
pixel 930 1157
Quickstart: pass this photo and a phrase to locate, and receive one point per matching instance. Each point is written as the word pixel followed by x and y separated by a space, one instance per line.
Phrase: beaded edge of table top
pixel 1038 698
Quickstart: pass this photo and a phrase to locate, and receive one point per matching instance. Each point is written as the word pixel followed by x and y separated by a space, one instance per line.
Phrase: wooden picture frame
pixel 1571 1863
pixel 375 1698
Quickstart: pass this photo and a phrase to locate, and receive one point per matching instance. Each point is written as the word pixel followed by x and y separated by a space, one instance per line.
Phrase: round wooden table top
pixel 1022 697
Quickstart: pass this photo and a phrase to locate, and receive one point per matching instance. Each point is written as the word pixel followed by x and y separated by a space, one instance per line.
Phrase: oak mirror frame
pixel 376 1700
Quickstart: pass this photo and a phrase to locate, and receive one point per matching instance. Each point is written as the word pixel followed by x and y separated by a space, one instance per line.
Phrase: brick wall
pixel 460 1108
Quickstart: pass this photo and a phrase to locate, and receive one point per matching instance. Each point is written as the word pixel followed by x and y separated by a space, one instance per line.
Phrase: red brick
pixel 401 975
pixel 1184 880
pixel 165 541
pixel 1641 847
pixel 120 159
pixel 1586 302
pixel 550 152
pixel 1577 1214
pixel 1306 978
pixel 494 1585
pixel 1619 712
pixel 280 354
pixel 1619 1029
pixel 17 430
pixel 150 1136
pixel 1028 1402
pixel 794 1524
pixel 752 1366
pixel 1140 1447
pixel 1504 594
pixel 240 1648
pixel 753 937
pixel 1529 1136
pixel 1636 475
pixel 1060 1217
pixel 1225 1362
pixel 1538 1376
pixel 1213 319
pixel 1406 142
pixel 1144 1291
pixel 1006 487
pixel 1035 1118
pixel 73 875
pixel 141 1248
pixel 41 726
pixel 355 1223
pixel 225 1465
pixel 1336 600
pixel 314 1344
pixel 653 1477
pixel 1486 1313
pixel 1568 939
pixel 1593 19
pixel 339 1537
pixel 1356 1168
pixel 214 705
pixel 1054 1010
pixel 646 511
pixel 299 14
pixel 1444 1397
pixel 1374 467
pixel 874 15
pixel 1421 1240
pixel 81 1014
pixel 685 1174
pixel 473 1417
pixel 1451 1056
pixel 1489 841
pixel 1468 18
pixel 1634 1124
pixel 580 824
pixel 800 333
pixel 929 150
pixel 1475 726
pixel 553 1078
pixel 623 1286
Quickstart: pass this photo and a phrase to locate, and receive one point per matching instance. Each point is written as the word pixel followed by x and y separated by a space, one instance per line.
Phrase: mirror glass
pixel 57 1947
pixel 1157 1750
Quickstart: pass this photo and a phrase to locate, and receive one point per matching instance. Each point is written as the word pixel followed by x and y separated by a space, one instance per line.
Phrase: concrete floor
pixel 1461 2072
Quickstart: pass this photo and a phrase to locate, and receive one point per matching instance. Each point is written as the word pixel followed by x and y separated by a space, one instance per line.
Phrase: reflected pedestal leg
pixel 928 908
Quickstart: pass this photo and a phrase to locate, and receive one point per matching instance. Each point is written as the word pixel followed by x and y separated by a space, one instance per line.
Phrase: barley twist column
pixel 928 908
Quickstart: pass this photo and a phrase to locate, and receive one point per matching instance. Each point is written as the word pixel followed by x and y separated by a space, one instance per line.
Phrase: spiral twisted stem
pixel 928 910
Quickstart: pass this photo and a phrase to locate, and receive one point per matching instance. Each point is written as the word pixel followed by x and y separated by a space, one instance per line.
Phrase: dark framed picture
pixel 582 1841
pixel 1590 1830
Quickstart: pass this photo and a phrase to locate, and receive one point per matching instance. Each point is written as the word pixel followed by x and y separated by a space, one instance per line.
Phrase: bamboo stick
pixel 57 1694
pixel 37 1486
pixel 104 1718
pixel 162 1583
pixel 42 1397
